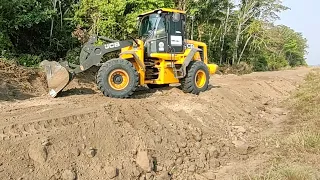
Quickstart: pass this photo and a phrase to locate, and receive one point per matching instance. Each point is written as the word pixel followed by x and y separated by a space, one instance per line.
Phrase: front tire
pixel 117 78
pixel 197 78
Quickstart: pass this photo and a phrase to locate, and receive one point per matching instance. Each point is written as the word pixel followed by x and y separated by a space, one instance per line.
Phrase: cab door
pixel 176 33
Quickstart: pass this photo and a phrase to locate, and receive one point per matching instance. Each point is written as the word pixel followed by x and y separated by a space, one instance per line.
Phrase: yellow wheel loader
pixel 161 56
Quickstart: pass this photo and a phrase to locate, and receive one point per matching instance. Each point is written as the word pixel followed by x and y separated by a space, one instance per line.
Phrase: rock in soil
pixel 183 144
pixel 213 152
pixel 177 150
pixel 241 146
pixel 68 175
pixel 163 176
pixel 199 177
pixel 45 142
pixel 135 172
pixel 197 145
pixel 149 176
pixel 144 161
pixel 192 168
pixel 179 161
pixel 91 152
pixel 112 172
pixel 240 129
pixel 214 163
pixel 209 175
pixel 158 139
pixel 38 153
pixel 198 137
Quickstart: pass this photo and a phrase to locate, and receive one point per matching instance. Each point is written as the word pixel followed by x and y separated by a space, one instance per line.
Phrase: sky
pixel 304 17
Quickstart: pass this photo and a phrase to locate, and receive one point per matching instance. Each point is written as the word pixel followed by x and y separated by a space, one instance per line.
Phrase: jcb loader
pixel 161 56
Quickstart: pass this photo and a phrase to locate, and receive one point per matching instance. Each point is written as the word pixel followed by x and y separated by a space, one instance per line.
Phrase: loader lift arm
pixel 60 74
pixel 92 54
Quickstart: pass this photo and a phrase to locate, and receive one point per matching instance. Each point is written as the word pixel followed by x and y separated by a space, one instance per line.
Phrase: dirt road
pixel 155 135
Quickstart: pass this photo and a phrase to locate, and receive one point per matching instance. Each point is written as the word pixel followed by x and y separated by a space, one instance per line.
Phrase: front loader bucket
pixel 58 76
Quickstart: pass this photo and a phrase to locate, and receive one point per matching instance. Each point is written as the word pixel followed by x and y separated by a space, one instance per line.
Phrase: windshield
pixel 148 23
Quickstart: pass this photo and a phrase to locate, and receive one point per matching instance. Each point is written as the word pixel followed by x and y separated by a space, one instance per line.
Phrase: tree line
pixel 235 31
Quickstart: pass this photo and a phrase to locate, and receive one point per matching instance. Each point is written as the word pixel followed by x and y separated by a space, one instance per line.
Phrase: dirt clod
pixel 214 163
pixel 199 177
pixel 179 161
pixel 176 150
pixel 209 175
pixel 192 168
pixel 163 176
pixel 76 152
pixel 91 152
pixel 198 137
pixel 144 161
pixel 112 172
pixel 241 146
pixel 38 153
pixel 68 175
pixel 214 152
pixel 158 139
pixel 45 142
pixel 149 176
pixel 183 144
pixel 197 145
pixel 240 129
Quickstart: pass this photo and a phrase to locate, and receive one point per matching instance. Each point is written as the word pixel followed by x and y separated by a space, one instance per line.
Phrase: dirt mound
pixel 158 134
pixel 18 82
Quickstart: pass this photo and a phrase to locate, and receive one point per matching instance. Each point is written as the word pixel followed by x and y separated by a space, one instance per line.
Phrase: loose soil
pixel 157 134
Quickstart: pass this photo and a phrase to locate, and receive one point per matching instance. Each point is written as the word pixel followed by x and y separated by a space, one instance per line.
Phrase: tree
pixel 33 30
pixel 254 9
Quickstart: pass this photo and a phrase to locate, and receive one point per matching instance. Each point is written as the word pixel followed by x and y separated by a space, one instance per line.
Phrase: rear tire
pixel 117 78
pixel 197 78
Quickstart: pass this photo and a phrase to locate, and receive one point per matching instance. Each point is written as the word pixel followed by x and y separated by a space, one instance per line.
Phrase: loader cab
pixel 163 31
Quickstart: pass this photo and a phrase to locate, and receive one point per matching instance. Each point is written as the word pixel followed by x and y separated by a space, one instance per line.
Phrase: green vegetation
pixel 287 172
pixel 33 30
pixel 299 153
pixel 305 117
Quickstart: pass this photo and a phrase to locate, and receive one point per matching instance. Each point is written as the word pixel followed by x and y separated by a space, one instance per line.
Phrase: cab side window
pixel 161 30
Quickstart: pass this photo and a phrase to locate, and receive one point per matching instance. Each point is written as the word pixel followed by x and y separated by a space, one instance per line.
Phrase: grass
pixel 299 155
pixel 305 116
pixel 306 104
pixel 287 172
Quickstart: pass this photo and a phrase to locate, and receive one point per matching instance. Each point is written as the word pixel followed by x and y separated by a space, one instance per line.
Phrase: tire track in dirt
pixel 18 131
pixel 188 135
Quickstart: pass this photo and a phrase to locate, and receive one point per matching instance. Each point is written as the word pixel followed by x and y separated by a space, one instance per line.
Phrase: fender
pixel 136 58
pixel 188 59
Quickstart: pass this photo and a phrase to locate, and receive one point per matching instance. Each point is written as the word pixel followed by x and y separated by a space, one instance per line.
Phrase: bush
pixel 73 56
pixel 260 64
pixel 29 60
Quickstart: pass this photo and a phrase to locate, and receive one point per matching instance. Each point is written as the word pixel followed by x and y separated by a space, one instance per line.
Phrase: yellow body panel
pixel 166 74
pixel 163 9
pixel 139 51
pixel 164 62
pixel 212 68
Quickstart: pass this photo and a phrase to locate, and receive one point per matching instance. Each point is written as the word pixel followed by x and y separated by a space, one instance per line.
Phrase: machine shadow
pixel 144 92
pixel 213 87
pixel 76 91
pixel 141 92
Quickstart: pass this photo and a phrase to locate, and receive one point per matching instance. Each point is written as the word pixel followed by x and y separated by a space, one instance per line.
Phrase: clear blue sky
pixel 304 17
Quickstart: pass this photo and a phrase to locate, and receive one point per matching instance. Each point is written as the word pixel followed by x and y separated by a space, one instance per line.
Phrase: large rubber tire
pixel 155 86
pixel 108 86
pixel 189 83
